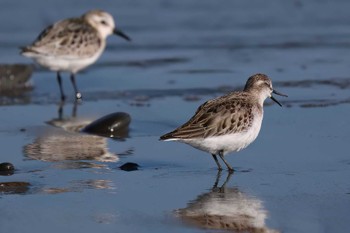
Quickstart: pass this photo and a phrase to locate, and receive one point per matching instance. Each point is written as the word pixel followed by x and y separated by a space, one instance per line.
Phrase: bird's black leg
pixel 77 93
pixel 230 169
pixel 59 80
pixel 216 161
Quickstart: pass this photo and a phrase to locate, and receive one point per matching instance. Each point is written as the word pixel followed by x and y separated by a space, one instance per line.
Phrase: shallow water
pixel 293 178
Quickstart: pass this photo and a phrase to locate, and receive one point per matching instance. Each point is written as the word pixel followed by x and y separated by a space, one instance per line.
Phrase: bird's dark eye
pixel 268 84
pixel 103 22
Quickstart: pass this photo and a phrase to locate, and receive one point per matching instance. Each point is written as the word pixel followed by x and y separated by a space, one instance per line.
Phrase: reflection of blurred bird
pixel 73 44
pixel 60 145
pixel 69 144
pixel 228 123
pixel 226 209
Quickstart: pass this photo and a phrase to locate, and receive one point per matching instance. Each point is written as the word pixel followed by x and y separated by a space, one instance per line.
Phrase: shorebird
pixel 73 44
pixel 228 123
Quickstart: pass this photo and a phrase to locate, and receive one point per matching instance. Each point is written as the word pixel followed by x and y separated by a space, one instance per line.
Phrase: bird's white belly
pixel 64 63
pixel 228 143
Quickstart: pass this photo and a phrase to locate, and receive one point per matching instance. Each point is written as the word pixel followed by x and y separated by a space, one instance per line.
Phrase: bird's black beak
pixel 277 93
pixel 121 34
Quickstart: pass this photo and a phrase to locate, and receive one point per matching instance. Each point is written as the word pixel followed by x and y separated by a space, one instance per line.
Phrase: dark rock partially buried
pixel 6 169
pixel 115 125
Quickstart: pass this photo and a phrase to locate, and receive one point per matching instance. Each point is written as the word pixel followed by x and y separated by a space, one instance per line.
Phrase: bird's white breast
pixel 61 63
pixel 230 142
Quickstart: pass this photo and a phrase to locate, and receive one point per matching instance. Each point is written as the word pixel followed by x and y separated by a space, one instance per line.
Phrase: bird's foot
pixel 78 96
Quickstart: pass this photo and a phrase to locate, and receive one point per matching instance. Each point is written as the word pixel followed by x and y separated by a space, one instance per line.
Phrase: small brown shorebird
pixel 228 123
pixel 73 44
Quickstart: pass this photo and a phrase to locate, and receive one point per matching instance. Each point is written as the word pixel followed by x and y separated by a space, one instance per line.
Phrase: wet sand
pixel 293 178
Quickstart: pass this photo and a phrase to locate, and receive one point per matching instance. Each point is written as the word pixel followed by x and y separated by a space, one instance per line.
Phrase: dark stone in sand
pixel 14 187
pixel 129 167
pixel 115 125
pixel 6 169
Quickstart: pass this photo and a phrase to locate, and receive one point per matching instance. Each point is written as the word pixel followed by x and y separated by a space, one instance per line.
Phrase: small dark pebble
pixel 129 167
pixel 6 169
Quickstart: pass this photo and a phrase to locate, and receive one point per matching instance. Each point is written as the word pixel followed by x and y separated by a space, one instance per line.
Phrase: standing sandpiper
pixel 73 44
pixel 228 123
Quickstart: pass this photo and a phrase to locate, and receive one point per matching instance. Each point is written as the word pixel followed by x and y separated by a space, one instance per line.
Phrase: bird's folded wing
pixel 214 120
pixel 65 39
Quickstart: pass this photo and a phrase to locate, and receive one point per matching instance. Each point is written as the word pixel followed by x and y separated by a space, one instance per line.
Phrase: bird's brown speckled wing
pixel 66 39
pixel 216 117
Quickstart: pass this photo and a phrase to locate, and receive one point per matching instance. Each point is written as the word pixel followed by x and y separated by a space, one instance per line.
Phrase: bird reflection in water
pixel 56 145
pixel 226 209
pixel 65 142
